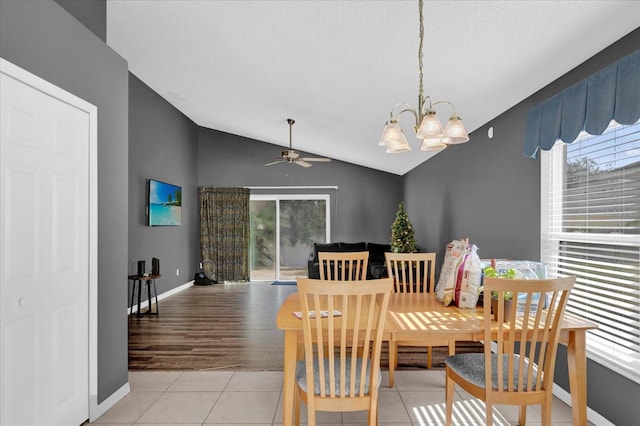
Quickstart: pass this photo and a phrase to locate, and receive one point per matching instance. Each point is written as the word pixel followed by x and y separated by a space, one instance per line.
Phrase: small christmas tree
pixel 402 236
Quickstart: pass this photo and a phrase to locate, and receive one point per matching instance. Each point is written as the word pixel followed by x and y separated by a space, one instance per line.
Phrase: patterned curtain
pixel 224 233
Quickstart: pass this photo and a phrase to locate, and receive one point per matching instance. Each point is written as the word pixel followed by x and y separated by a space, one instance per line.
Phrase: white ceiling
pixel 338 67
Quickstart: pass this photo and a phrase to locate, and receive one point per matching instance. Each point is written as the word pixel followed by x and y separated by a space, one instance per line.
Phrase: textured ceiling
pixel 338 67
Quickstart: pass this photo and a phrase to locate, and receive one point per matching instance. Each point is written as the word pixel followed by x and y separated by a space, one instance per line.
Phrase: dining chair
pixel 343 266
pixel 519 369
pixel 341 366
pixel 413 273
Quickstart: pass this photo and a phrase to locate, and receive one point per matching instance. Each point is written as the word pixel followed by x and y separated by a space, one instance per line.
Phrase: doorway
pixel 283 230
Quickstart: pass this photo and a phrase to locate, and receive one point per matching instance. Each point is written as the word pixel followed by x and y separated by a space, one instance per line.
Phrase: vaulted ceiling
pixel 338 67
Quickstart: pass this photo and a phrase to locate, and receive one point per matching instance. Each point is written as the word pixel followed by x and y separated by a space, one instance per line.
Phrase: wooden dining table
pixel 422 317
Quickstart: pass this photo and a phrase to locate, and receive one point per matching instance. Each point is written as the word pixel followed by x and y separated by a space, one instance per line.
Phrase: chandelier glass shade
pixel 428 127
pixel 432 144
pixel 393 138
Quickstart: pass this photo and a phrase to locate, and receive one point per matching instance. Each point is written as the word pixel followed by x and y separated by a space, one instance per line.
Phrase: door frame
pixel 285 197
pixel 25 77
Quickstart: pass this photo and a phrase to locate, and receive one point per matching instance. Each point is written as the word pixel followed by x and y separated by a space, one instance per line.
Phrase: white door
pixel 44 258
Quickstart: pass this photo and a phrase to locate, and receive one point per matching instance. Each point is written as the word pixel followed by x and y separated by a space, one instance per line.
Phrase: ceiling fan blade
pixel 293 156
pixel 317 159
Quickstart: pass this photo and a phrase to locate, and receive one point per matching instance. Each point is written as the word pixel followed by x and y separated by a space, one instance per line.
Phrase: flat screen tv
pixel 165 204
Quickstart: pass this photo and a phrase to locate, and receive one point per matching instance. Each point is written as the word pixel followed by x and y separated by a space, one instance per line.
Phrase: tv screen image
pixel 165 204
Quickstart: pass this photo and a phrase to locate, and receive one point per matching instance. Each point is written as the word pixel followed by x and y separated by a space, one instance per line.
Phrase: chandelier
pixel 428 126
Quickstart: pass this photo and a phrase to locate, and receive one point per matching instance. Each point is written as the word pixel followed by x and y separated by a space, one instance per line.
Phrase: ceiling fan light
pixel 455 132
pixel 394 139
pixel 433 144
pixel 430 127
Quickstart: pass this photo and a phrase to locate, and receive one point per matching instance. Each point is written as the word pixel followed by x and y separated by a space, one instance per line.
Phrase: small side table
pixel 148 280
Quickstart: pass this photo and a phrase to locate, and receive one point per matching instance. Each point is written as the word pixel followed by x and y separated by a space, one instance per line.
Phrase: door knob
pixel 22 302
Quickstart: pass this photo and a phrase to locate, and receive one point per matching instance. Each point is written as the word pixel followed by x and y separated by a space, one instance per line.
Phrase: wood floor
pixel 230 326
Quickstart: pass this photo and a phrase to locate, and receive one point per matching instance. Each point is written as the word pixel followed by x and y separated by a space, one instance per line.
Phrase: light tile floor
pixel 255 398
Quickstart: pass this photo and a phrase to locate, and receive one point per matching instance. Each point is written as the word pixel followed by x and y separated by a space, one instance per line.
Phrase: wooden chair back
pixel 412 272
pixel 343 266
pixel 527 338
pixel 342 351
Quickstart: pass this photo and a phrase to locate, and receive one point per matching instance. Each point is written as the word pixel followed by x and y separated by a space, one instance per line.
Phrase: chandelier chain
pixel 421 91
pixel 428 126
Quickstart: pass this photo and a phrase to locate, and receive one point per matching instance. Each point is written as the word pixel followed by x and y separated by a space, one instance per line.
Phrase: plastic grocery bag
pixel 460 276
pixel 521 270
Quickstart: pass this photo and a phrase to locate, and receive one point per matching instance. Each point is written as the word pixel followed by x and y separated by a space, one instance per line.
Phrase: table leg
pixel 133 293
pixel 139 314
pixel 288 388
pixel 577 365
pixel 149 296
pixel 393 352
pixel 155 291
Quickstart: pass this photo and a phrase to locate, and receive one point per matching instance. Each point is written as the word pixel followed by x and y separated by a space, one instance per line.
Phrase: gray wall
pixel 487 191
pixel 163 145
pixel 44 39
pixel 91 13
pixel 363 208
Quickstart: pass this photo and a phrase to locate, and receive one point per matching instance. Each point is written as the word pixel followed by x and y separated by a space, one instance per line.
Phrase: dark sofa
pixel 376 268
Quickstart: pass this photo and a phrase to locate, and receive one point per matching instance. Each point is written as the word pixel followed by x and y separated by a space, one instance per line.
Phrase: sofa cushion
pixel 376 252
pixel 353 247
pixel 317 247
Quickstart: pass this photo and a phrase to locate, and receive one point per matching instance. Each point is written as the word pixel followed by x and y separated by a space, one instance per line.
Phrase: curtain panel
pixel 612 93
pixel 224 233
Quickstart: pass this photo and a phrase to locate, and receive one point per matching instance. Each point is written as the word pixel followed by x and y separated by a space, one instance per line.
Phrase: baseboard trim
pixel 592 415
pixel 96 410
pixel 145 303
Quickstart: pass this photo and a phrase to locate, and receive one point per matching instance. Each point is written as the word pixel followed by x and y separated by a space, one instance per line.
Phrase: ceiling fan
pixel 292 156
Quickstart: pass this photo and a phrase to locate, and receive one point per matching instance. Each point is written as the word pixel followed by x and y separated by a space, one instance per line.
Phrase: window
pixel 591 229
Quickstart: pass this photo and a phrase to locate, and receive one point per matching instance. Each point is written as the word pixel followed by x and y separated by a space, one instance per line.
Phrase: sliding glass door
pixel 283 230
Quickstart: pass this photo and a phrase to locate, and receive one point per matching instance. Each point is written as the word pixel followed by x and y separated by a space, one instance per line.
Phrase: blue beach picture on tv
pixel 165 204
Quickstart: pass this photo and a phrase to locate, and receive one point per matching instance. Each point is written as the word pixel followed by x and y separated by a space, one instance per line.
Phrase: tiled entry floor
pixel 254 398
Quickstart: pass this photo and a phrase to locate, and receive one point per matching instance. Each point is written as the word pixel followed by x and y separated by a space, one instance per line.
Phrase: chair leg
pixel 373 414
pixel 311 413
pixel 522 418
pixel 296 406
pixel 545 418
pixel 449 388
pixel 489 410
pixel 429 357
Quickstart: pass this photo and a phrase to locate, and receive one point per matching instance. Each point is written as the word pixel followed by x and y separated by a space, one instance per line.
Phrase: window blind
pixel 591 229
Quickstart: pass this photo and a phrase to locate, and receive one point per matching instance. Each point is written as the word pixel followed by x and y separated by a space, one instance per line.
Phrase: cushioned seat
pixel 301 376
pixel 471 368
